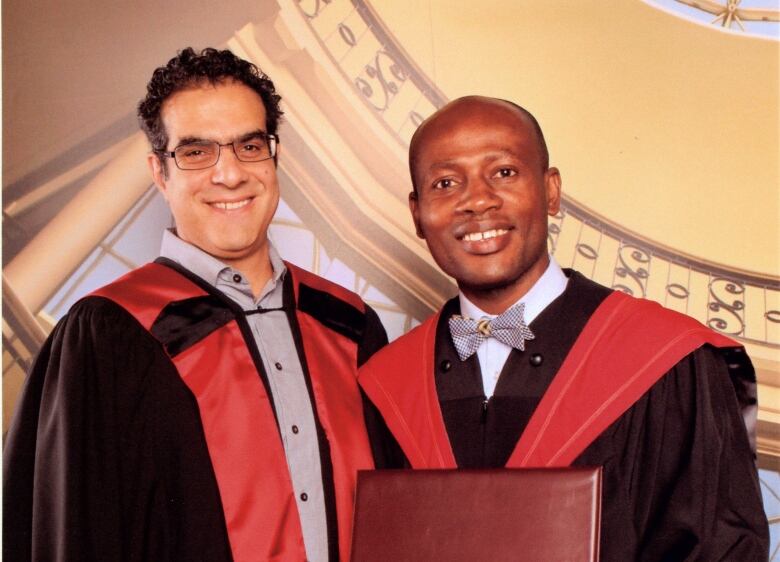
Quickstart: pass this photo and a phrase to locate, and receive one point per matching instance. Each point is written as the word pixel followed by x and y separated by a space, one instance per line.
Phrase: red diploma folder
pixel 471 515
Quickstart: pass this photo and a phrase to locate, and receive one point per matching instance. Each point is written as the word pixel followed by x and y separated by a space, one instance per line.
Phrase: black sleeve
pixel 716 483
pixel 62 459
pixel 386 451
pixel 105 450
pixel 679 467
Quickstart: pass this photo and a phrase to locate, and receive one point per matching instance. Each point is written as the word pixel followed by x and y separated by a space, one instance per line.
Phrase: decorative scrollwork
pixel 387 73
pixel 554 228
pixel 773 316
pixel 733 293
pixel 634 268
pixel 623 288
pixel 416 118
pixel 553 231
pixel 347 35
pixel 587 251
pixel 316 7
pixel 364 87
pixel 677 291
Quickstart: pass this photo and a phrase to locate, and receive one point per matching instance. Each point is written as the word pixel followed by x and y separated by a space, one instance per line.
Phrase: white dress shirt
pixel 492 354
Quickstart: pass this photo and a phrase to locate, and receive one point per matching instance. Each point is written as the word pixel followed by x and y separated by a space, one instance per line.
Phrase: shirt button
pixel 278 366
pixel 237 278
pixel 304 496
pixel 295 429
pixel 536 359
pixel 445 365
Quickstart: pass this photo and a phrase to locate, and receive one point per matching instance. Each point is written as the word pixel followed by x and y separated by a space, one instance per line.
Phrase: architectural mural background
pixel 86 213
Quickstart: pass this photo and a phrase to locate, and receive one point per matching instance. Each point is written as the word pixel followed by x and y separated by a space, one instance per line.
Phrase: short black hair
pixel 190 68
pixel 542 144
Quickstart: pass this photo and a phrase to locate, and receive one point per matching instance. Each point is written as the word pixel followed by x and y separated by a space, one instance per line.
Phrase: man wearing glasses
pixel 205 406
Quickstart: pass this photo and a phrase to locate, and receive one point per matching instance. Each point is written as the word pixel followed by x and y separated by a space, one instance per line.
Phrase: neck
pixel 497 299
pixel 492 301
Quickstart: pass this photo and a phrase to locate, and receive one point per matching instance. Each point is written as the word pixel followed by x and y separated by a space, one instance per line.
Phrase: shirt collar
pixel 546 289
pixel 206 266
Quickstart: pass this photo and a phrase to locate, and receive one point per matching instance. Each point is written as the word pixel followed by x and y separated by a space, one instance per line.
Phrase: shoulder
pixel 410 347
pixel 585 288
pixel 101 312
pixel 308 285
pixel 626 308
pixel 100 339
pixel 330 304
pixel 721 375
pixel 655 318
pixel 99 351
pixel 146 290
pixel 147 277
pixel 696 393
pixel 101 323
pixel 643 337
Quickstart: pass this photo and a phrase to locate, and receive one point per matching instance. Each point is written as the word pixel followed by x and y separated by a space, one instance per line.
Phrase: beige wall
pixel 665 126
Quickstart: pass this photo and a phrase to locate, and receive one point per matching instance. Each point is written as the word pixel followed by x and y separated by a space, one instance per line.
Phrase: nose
pixel 229 170
pixel 478 197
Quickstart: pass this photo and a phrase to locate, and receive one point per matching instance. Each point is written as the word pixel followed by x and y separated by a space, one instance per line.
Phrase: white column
pixel 44 263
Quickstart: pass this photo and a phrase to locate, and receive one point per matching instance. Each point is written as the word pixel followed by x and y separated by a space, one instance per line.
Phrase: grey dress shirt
pixel 287 382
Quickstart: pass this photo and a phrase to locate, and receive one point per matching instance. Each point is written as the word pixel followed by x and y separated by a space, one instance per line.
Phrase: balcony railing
pixel 741 304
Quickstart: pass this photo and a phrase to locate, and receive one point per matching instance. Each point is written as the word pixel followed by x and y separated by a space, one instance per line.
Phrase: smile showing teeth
pixel 487 235
pixel 230 205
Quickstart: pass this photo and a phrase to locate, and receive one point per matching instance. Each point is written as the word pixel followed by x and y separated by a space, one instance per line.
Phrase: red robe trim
pixel 238 422
pixel 625 347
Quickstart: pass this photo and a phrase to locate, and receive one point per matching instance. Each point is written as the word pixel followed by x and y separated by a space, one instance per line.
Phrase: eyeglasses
pixel 204 154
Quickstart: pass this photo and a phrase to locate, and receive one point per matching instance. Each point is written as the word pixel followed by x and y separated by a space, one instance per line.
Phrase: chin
pixel 237 252
pixel 485 285
pixel 487 279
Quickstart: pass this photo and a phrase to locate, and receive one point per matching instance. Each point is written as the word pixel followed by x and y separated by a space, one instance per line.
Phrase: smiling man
pixel 535 366
pixel 205 406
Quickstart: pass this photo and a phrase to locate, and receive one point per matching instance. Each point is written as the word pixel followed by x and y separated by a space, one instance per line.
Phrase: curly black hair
pixel 189 68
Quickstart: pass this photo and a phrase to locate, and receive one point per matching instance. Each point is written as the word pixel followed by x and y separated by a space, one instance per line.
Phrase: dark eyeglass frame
pixel 271 139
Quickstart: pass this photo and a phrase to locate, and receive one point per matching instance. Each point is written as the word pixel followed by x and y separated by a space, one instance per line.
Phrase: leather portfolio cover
pixel 543 515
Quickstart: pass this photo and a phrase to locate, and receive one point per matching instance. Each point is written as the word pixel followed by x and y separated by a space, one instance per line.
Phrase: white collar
pixel 206 266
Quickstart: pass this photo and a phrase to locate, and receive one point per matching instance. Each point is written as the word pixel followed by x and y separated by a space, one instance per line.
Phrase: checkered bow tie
pixel 509 328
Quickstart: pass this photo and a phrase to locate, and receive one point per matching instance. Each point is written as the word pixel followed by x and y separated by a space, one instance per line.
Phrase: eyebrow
pixel 490 157
pixel 441 165
pixel 242 138
pixel 497 154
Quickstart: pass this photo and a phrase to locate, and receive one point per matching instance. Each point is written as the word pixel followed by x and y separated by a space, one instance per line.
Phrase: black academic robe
pixel 679 477
pixel 106 458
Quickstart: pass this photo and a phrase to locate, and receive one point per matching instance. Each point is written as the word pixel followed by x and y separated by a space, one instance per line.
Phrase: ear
pixel 155 165
pixel 552 182
pixel 276 155
pixel 414 207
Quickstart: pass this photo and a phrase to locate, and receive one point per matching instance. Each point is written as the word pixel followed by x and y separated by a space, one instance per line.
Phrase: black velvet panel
pixel 182 324
pixel 333 312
